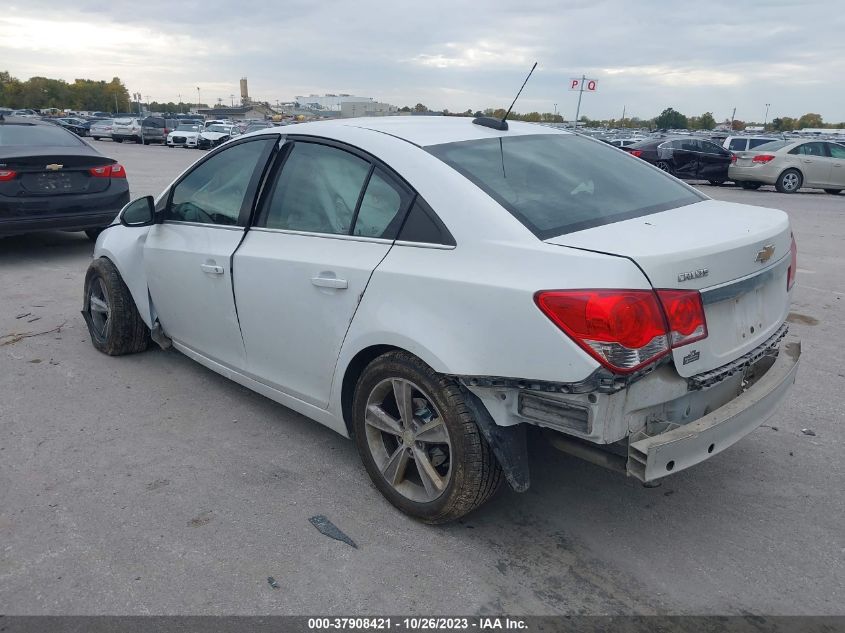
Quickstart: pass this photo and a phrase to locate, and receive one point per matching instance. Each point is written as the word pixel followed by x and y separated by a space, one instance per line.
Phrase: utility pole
pixel 624 108
pixel 116 107
pixel 180 103
pixel 232 97
pixel 199 99
pixel 733 115
pixel 766 117
pixel 580 94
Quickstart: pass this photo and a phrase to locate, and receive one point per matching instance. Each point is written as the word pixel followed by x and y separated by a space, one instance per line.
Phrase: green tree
pixel 420 108
pixel 706 121
pixel 671 119
pixel 810 119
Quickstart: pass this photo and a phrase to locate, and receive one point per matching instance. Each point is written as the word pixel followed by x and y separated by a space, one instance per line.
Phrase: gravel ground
pixel 150 485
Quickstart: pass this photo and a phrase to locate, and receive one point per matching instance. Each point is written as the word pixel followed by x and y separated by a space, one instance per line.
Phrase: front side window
pixel 215 191
pixel 561 183
pixel 317 190
pixel 711 148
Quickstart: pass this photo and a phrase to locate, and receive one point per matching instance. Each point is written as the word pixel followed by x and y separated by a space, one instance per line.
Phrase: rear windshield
pixel 562 183
pixel 757 142
pixel 772 146
pixel 37 135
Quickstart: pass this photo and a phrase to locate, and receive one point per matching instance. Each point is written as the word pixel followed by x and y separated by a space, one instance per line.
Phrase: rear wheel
pixel 716 183
pixel 789 181
pixel 751 186
pixel 664 166
pixel 96 138
pixel 419 442
pixel 113 321
pixel 117 140
pixel 833 192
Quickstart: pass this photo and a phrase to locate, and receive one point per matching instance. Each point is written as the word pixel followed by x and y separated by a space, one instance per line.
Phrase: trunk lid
pixel 45 171
pixel 736 255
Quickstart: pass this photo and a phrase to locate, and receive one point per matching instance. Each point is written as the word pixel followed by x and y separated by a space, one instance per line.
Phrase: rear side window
pixel 382 207
pixel 561 183
pixel 810 149
pixel 317 190
pixel 37 136
pixel 737 144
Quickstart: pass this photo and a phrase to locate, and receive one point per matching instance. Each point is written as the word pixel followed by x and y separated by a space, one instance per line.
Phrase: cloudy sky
pixel 710 55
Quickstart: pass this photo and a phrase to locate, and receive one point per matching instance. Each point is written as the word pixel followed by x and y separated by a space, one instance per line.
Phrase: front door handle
pixel 211 269
pixel 807 160
pixel 329 282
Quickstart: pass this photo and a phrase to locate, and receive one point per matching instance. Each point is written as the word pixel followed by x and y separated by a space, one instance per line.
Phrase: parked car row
pixel 749 161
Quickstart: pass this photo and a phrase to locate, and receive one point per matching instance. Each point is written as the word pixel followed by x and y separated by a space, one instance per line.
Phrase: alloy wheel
pixel 790 181
pixel 408 440
pixel 98 307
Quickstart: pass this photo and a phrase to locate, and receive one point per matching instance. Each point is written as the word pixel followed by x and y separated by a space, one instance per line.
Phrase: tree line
pixel 83 94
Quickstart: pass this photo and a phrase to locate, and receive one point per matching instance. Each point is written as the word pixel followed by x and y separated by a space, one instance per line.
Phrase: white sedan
pixel 433 287
pixel 185 135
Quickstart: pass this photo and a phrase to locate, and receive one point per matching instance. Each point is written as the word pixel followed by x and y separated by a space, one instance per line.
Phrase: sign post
pixel 581 85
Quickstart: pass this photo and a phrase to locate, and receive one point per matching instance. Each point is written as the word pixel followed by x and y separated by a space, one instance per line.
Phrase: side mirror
pixel 140 212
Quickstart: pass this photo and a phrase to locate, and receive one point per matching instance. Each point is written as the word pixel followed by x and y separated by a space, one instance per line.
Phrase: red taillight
pixel 626 329
pixel 108 171
pixel 636 152
pixel 7 174
pixel 685 315
pixel 733 158
pixel 793 264
pixel 622 329
pixel 763 158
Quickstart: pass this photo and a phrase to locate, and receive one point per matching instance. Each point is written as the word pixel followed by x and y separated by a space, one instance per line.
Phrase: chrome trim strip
pixel 226 227
pixel 745 284
pixel 441 247
pixel 333 236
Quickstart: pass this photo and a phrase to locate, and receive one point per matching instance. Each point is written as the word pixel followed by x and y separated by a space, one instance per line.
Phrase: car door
pixel 187 256
pixel 713 161
pixel 837 165
pixel 326 221
pixel 685 158
pixel 814 163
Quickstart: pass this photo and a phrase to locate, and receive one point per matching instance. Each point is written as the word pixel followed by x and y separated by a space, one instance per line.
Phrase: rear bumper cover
pixel 67 213
pixel 654 457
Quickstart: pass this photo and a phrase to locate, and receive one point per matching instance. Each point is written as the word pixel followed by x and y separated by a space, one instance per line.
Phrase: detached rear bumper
pixel 651 458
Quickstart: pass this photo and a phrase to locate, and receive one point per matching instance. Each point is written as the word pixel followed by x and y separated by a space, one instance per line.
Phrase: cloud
pixel 647 55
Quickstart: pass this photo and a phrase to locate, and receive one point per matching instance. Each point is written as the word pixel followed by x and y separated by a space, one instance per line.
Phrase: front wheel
pixel 751 186
pixel 113 321
pixel 419 442
pixel 117 140
pixel 833 192
pixel 789 181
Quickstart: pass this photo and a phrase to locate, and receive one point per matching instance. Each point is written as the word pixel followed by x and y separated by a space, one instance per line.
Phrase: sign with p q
pixel 583 85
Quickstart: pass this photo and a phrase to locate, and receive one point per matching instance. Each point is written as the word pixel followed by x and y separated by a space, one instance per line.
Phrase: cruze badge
pixel 53 167
pixel 693 274
pixel 765 253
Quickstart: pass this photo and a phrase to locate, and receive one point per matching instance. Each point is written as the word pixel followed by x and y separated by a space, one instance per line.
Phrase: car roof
pixel 422 130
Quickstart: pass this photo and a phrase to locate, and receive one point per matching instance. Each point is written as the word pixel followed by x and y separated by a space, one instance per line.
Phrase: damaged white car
pixel 214 135
pixel 432 287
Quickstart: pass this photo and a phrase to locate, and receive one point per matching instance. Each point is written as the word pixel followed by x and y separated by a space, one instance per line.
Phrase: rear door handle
pixel 211 269
pixel 807 160
pixel 329 282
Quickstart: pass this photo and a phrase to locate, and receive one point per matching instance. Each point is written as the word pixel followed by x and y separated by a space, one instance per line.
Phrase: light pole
pixel 199 100
pixel 232 97
pixel 766 117
pixel 180 103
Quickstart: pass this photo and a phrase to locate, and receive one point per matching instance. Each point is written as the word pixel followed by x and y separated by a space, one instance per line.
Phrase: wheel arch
pixel 124 247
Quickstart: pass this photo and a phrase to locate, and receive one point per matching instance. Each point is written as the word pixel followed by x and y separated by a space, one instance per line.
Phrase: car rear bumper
pixel 654 457
pixel 68 213
pixel 760 173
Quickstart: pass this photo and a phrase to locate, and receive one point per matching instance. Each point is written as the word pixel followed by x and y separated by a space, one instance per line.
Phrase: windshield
pixel 562 183
pixel 187 128
pixel 772 146
pixel 37 135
